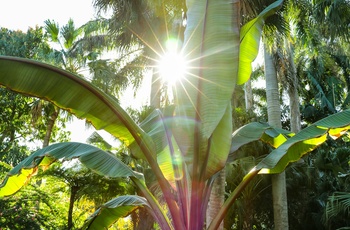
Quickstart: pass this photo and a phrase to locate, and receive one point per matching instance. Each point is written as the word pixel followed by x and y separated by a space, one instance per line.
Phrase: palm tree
pixel 321 60
pixel 145 24
pixel 274 118
pixel 274 24
pixel 74 47
pixel 285 58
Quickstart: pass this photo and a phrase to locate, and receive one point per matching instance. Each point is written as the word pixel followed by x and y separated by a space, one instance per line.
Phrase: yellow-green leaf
pixel 113 210
pixel 305 141
pixel 94 158
pixel 250 40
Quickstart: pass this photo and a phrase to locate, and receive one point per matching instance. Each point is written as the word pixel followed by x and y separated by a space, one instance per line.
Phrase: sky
pixel 21 14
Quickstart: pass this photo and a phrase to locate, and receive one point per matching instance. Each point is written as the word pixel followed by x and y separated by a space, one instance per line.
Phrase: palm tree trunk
pixel 248 94
pixel 295 122
pixel 73 193
pixel 272 92
pixel 50 124
pixel 279 192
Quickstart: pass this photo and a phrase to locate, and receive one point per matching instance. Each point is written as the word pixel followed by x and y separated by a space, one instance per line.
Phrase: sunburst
pixel 172 64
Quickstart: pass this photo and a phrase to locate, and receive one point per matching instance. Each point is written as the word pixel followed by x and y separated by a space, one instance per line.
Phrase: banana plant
pixel 184 148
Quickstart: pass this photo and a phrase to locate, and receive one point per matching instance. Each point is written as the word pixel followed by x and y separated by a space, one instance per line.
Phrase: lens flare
pixel 172 65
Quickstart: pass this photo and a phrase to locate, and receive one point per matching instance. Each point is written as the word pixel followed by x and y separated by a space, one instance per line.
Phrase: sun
pixel 172 64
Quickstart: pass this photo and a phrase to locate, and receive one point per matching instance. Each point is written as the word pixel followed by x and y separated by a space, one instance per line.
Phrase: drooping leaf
pixel 305 141
pixel 114 209
pixel 80 98
pixel 321 95
pixel 258 131
pixel 250 39
pixel 93 158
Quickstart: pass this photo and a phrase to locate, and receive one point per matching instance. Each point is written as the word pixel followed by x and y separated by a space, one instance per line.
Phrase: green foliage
pixel 253 209
pixel 19 44
pixel 184 150
pixel 78 182
pixel 22 210
pixel 15 126
pixel 318 179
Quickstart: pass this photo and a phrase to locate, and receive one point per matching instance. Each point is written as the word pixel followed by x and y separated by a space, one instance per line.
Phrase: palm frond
pixel 338 203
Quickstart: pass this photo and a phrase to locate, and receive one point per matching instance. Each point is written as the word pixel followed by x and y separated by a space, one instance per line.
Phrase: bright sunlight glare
pixel 172 65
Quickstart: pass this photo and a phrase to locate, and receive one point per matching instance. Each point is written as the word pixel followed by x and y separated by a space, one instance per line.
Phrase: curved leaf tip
pixel 113 210
pixel 93 158
pixel 305 141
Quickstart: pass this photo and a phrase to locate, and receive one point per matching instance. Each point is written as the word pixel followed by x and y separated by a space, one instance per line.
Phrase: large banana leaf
pixel 114 209
pixel 156 127
pixel 250 40
pixel 290 150
pixel 203 95
pixel 258 131
pixel 212 56
pixel 217 63
pixel 94 158
pixel 290 147
pixel 85 101
pixel 305 141
pixel 73 94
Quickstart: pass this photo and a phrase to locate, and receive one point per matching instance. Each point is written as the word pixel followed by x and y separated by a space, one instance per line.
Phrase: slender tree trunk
pixel 217 197
pixel 272 92
pixel 73 193
pixel 279 192
pixel 295 122
pixel 50 124
pixel 248 95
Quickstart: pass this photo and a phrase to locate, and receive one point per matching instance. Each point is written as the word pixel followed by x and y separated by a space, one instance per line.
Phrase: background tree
pixel 146 25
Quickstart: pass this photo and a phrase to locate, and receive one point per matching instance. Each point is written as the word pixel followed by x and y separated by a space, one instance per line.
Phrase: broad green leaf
pixel 258 131
pixel 80 97
pixel 114 209
pixel 167 162
pixel 250 40
pixel 93 158
pixel 305 141
pixel 219 146
pixel 169 158
pixel 211 46
pixel 154 126
pixel 212 56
